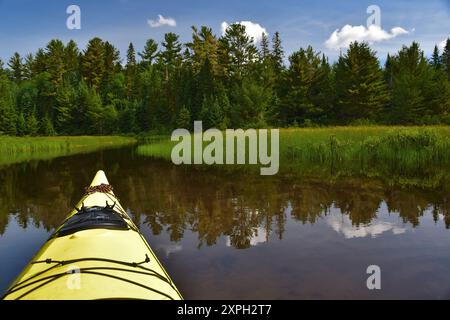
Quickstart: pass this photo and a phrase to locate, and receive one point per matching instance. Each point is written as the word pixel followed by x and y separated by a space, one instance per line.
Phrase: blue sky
pixel 27 25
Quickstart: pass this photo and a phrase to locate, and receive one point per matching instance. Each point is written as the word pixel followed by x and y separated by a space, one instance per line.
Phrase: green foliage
pixel 184 119
pixel 32 125
pixel 8 111
pixel 225 81
pixel 361 91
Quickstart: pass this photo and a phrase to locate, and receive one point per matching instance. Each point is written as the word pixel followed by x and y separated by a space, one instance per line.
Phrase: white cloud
pixel 162 22
pixel 253 30
pixel 342 38
pixel 343 225
pixel 442 44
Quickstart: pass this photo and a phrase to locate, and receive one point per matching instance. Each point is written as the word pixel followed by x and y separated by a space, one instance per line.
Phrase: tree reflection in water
pixel 239 205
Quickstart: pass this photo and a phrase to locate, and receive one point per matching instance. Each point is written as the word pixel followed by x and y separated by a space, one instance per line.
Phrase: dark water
pixel 242 236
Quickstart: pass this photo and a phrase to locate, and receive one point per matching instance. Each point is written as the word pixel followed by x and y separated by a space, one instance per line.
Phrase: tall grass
pixel 355 149
pixel 18 149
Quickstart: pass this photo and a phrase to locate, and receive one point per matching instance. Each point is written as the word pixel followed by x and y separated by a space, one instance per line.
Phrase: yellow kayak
pixel 97 253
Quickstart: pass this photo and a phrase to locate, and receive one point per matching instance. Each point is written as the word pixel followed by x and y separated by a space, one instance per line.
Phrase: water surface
pixel 236 235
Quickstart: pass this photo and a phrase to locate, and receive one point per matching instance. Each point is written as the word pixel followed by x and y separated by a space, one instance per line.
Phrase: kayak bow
pixel 97 253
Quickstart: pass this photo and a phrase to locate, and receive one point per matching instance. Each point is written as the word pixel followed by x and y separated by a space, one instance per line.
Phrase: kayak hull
pixel 97 263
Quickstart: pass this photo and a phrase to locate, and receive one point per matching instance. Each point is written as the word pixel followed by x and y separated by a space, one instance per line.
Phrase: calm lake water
pixel 237 235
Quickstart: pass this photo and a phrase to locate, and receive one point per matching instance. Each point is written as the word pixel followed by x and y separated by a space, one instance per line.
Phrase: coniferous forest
pixel 226 81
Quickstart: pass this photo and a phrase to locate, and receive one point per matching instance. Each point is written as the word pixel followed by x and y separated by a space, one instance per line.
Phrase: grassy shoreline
pixel 387 149
pixel 20 149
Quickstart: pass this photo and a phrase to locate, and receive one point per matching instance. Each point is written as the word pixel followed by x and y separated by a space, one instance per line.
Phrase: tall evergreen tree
pixel 445 59
pixel 131 69
pixel 240 51
pixel 16 66
pixel 8 112
pixel 150 52
pixel 360 87
pixel 411 72
pixel 72 57
pixel 436 58
pixel 277 53
pixel 93 63
pixel 56 61
pixel 304 85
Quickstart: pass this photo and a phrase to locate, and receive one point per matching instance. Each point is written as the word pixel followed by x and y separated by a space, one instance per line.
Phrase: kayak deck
pixel 95 263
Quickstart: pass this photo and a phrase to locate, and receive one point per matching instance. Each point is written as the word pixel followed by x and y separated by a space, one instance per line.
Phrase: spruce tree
pixel 130 69
pixel 8 113
pixel 55 61
pixel 93 63
pixel 277 53
pixel 150 52
pixel 445 58
pixel 16 66
pixel 360 87
pixel 436 58
pixel 411 73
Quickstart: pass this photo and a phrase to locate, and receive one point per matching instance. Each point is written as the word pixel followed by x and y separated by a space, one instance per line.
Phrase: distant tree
pixel 277 53
pixel 111 64
pixel 93 63
pixel 8 112
pixel 55 61
pixel 204 46
pixel 240 51
pixel 360 87
pixel 72 57
pixel 150 52
pixel 131 69
pixel 411 72
pixel 436 58
pixel 305 88
pixel 16 66
pixel 32 125
pixel 184 119
pixel 445 58
pixel 21 125
pixel 170 56
pixel 40 62
pixel 28 67
pixel 47 128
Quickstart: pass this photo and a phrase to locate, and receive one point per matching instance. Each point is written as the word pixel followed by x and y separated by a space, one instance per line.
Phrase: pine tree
pixel 55 61
pixel 305 88
pixel 411 72
pixel 130 69
pixel 7 107
pixel 240 51
pixel 265 50
pixel 16 66
pixel 28 67
pixel 170 57
pixel 445 58
pixel 204 46
pixel 277 53
pixel 40 62
pixel 21 125
pixel 111 64
pixel 360 87
pixel 184 119
pixel 47 128
pixel 32 125
pixel 150 52
pixel 64 108
pixel 93 63
pixel 436 59
pixel 72 57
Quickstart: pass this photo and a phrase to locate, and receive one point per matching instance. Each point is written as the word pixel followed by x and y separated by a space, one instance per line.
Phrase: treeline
pixel 225 81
